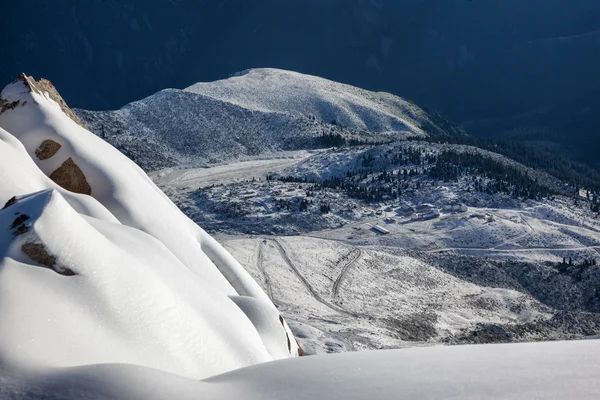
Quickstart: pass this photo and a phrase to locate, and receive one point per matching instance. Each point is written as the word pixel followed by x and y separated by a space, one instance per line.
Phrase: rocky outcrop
pixel 69 176
pixel 38 253
pixel 7 105
pixel 19 226
pixel 47 149
pixel 45 86
pixel 10 202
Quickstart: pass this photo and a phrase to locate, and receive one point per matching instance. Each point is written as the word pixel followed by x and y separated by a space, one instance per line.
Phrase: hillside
pixel 107 290
pixel 494 66
pixel 254 113
pixel 499 240
pixel 279 91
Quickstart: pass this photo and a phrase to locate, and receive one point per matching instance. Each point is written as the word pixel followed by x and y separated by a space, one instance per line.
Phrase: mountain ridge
pixel 275 109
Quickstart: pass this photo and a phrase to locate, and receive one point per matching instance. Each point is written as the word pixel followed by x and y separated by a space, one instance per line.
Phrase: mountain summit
pixel 256 112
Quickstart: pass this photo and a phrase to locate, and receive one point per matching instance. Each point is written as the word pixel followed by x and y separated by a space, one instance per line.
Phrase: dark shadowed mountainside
pixel 493 65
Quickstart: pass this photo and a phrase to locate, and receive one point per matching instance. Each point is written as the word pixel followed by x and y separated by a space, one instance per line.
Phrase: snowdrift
pixel 98 266
pixel 557 370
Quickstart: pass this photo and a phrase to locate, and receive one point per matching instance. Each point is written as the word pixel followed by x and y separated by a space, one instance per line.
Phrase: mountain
pixel 107 290
pixel 529 65
pixel 360 191
pixel 98 266
pixel 254 113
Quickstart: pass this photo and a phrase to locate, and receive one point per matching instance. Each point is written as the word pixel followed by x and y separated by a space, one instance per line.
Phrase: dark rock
pixel 69 176
pixel 47 149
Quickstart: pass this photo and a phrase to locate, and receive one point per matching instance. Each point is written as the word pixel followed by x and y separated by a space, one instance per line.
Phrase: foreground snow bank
pixel 98 266
pixel 556 370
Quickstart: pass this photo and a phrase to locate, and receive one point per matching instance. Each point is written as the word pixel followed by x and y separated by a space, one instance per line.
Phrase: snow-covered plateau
pixel 328 209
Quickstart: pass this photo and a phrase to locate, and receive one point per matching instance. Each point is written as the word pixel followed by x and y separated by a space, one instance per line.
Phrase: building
pixel 405 209
pixel 424 207
pixel 380 230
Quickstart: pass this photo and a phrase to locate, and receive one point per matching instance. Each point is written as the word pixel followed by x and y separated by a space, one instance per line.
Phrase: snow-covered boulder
pixel 98 266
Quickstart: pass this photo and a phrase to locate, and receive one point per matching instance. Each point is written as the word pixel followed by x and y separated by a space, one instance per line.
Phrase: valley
pixel 468 275
pixel 369 222
pixel 301 199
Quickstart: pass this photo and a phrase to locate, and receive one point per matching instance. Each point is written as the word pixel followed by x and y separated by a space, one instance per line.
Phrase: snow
pixel 557 370
pixel 257 114
pixel 123 276
pixel 127 298
pixel 280 91
pixel 338 297
pixel 490 268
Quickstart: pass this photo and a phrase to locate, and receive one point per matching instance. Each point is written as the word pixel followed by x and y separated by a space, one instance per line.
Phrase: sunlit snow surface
pixel 143 284
pixel 129 299
pixel 279 91
pixel 557 370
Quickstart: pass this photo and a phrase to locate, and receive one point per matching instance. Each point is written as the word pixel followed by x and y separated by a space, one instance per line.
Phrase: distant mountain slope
pixel 256 112
pixel 520 64
pixel 273 90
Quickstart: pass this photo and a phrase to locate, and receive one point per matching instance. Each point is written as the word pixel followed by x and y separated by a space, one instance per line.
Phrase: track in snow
pixel 353 257
pixel 512 240
pixel 261 268
pixel 306 284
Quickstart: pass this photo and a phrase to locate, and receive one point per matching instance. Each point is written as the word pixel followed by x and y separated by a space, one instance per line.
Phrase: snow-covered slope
pixel 257 112
pixel 279 91
pixel 98 266
pixel 558 370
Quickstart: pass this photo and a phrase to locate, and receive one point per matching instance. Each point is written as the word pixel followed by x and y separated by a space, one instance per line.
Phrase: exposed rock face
pixel 38 252
pixel 19 225
pixel 44 85
pixel 19 220
pixel 70 177
pixel 10 202
pixel 289 344
pixel 5 105
pixel 47 149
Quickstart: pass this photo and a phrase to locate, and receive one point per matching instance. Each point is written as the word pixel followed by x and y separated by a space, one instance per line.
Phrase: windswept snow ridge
pixel 98 266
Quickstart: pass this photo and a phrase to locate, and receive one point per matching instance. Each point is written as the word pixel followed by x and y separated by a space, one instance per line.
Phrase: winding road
pixel 353 257
pixel 307 285
pixel 261 268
